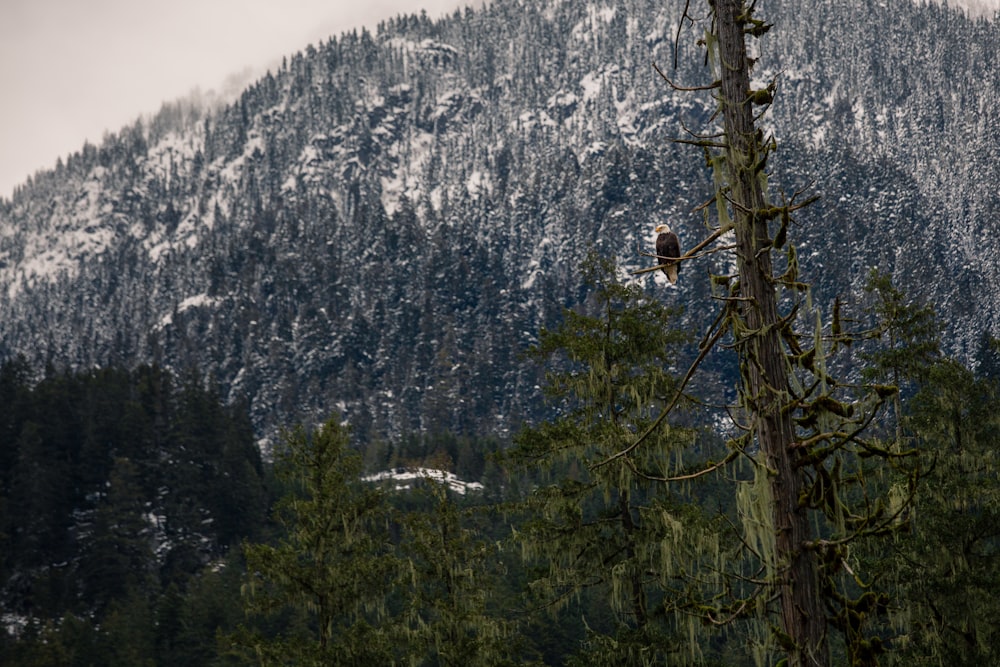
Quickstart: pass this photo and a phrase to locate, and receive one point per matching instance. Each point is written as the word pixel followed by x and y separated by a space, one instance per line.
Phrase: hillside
pixel 383 224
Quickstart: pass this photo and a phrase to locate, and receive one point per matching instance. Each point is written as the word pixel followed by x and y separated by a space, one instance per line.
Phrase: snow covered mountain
pixel 382 225
pixel 976 7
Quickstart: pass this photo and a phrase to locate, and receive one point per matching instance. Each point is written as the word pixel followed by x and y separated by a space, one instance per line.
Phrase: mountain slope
pixel 382 225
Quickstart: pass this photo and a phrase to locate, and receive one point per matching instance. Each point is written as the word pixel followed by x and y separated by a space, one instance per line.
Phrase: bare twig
pixel 680 22
pixel 715 135
pixel 686 89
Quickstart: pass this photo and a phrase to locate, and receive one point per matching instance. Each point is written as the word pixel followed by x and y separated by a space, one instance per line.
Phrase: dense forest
pixel 118 487
pixel 141 527
pixel 531 449
pixel 405 207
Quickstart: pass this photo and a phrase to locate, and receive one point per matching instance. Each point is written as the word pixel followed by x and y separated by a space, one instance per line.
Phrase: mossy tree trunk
pixel 760 348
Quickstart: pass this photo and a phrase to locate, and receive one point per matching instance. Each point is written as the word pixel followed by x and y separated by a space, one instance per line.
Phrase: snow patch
pixel 196 301
pixel 530 120
pixel 427 51
pixel 172 156
pixel 79 227
pixel 479 183
pixel 405 476
pixel 14 624
pixel 538 259
pixel 605 14
pixel 974 8
pixel 591 84
pixel 408 176
pixel 562 100
pixel 585 30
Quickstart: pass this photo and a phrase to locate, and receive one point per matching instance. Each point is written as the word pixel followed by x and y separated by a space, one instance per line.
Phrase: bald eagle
pixel 668 247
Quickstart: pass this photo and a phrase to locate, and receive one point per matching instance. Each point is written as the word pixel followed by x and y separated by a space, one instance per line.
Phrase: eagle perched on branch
pixel 668 247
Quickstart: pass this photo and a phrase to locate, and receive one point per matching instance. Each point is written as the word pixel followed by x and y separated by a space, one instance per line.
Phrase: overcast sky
pixel 71 70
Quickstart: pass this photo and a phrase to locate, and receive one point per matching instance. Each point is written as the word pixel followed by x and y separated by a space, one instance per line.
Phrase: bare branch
pixel 712 338
pixel 714 135
pixel 685 89
pixel 700 142
pixel 680 22
pixel 677 260
pixel 730 457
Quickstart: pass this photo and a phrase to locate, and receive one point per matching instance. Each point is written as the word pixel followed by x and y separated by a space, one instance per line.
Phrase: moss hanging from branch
pixel 806 430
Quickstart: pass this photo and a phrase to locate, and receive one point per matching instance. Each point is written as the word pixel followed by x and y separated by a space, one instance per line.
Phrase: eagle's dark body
pixel 668 247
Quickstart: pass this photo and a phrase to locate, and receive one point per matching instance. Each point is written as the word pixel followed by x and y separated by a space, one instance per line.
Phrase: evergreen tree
pixel 209 606
pixel 602 522
pixel 101 488
pixel 947 566
pixel 332 568
pixel 988 358
pixel 128 635
pixel 38 532
pixel 119 559
pixel 449 576
pixel 908 343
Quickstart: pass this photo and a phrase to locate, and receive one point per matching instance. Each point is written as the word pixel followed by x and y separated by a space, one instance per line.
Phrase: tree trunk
pixel 761 352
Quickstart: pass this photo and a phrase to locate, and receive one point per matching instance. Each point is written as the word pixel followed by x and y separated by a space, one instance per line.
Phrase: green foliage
pixel 821 482
pixel 602 524
pixel 334 564
pixel 450 576
pixel 120 499
pixel 119 558
pixel 943 559
pixel 613 532
pixel 356 579
pixel 987 358
pixel 128 635
pixel 909 334
pixel 947 566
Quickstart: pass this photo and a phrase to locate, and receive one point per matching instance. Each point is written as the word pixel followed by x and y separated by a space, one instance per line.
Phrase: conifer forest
pixel 376 364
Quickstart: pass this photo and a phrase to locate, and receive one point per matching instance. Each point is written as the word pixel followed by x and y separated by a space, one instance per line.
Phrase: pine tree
pixel 449 573
pixel 908 343
pixel 332 568
pixel 602 522
pixel 947 566
pixel 42 500
pixel 128 631
pixel 119 558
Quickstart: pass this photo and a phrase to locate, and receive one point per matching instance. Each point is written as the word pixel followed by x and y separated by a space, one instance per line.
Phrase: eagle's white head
pixel 662 229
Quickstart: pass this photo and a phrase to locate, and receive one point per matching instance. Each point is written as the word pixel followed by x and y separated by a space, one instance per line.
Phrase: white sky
pixel 71 70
